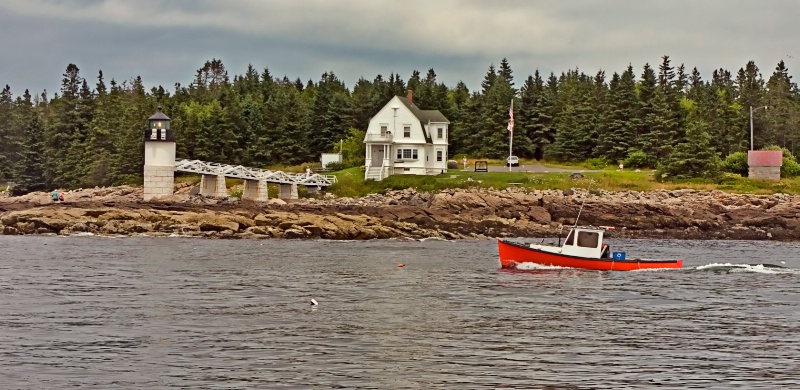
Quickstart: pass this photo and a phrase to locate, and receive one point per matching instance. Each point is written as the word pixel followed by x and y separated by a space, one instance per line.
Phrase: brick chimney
pixel 410 97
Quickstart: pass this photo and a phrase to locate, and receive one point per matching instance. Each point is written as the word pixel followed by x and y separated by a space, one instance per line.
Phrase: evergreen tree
pixel 332 115
pixel 30 168
pixel 600 112
pixel 66 132
pixel 8 138
pixel 286 130
pixel 492 127
pixel 506 73
pixel 782 116
pixel 535 119
pixel 576 135
pixel 127 164
pixel 723 114
pixel 619 138
pixel 694 156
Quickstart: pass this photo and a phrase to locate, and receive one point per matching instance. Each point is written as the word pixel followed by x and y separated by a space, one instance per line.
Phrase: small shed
pixel 764 164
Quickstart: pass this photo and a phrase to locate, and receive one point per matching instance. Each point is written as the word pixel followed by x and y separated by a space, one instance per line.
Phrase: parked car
pixel 512 161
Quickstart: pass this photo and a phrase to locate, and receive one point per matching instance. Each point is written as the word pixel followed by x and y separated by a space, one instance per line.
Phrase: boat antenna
pixel 583 203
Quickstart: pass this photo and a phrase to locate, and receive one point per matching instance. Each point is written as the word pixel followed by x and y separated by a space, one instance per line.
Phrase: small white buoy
pixel 783 262
pixel 314 302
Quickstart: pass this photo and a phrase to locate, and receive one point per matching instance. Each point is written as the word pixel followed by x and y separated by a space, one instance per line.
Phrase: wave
pixel 538 267
pixel 756 268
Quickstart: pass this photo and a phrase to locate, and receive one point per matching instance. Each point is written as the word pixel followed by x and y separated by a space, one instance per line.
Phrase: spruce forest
pixel 90 133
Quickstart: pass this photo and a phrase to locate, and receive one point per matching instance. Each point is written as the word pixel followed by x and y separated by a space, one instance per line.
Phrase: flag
pixel 511 117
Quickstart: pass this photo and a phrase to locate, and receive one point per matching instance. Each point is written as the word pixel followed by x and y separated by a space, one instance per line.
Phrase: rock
pixel 10 231
pixel 296 232
pixel 453 213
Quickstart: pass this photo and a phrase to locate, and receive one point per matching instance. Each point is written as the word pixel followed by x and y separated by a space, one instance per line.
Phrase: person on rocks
pixel 55 195
pixel 61 197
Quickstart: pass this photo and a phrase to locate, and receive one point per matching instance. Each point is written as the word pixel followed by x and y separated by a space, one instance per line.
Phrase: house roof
pixel 424 116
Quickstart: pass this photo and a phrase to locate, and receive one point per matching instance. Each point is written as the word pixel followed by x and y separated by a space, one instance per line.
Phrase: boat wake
pixel 755 268
pixel 538 267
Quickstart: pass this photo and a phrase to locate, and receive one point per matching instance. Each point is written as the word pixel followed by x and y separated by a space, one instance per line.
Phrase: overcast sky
pixel 166 41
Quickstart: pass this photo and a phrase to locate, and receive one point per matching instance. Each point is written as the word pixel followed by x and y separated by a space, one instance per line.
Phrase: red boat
pixel 583 248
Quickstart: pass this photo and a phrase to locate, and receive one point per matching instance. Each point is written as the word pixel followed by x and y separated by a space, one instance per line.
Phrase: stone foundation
pixel 764 172
pixel 159 180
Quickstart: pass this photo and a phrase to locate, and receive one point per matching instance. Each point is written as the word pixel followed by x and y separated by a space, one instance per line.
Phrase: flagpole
pixel 510 133
pixel 510 141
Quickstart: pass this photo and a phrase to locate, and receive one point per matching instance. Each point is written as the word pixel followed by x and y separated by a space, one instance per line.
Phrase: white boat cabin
pixel 582 241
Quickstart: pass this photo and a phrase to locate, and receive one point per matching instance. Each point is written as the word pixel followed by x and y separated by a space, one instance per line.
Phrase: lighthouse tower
pixel 159 157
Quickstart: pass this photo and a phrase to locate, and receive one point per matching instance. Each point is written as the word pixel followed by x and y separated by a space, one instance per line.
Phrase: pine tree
pixel 506 73
pixel 619 138
pixel 31 166
pixel 494 117
pixel 332 115
pixel 782 116
pixel 693 157
pixel 535 120
pixel 8 136
pixel 599 112
pixel 576 136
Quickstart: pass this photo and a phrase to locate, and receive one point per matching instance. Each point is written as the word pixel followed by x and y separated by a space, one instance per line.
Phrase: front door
pixel 377 155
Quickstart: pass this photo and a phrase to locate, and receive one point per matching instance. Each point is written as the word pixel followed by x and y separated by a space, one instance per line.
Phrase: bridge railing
pixel 247 173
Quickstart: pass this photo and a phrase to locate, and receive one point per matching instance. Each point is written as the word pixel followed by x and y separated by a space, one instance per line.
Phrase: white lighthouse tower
pixel 159 157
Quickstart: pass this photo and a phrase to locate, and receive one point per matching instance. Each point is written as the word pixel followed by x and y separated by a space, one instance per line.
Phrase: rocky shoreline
pixel 449 214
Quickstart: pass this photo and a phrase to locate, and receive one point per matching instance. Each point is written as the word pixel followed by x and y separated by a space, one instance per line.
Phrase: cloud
pixel 166 40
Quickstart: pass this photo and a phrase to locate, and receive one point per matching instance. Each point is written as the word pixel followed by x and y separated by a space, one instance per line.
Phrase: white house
pixel 402 139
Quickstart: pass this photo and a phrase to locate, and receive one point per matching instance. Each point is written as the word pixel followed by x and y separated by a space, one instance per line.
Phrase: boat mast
pixel 582 203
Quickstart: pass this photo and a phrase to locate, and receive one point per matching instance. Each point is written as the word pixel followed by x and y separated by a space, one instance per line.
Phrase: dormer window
pixel 440 133
pixel 407 131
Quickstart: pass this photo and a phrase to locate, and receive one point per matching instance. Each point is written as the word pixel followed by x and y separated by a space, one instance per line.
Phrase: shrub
pixel 636 159
pixel 452 164
pixel 736 163
pixel 595 163
pixel 790 167
pixel 237 191
pixel 336 166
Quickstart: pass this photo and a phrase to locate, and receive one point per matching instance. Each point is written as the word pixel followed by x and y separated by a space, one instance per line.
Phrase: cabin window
pixel 570 239
pixel 440 133
pixel 588 239
pixel 407 131
pixel 384 129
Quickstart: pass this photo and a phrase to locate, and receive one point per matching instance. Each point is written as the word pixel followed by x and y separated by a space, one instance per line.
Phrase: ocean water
pixel 98 313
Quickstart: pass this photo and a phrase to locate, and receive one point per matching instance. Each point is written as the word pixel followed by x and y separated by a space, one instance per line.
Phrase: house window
pixel 407 154
pixel 384 129
pixel 407 131
pixel 439 154
pixel 439 133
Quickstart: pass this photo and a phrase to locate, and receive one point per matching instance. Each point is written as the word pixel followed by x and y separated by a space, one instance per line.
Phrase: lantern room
pixel 158 128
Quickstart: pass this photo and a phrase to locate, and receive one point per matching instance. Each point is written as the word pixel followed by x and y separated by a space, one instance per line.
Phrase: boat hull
pixel 512 254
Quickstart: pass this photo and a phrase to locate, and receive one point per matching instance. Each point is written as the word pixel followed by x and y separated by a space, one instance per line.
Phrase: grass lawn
pixel 351 181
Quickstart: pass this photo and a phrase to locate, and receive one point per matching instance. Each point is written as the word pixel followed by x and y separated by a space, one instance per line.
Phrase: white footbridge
pixel 212 182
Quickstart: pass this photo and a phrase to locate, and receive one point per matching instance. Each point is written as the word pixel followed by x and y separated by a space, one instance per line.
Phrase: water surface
pixel 95 312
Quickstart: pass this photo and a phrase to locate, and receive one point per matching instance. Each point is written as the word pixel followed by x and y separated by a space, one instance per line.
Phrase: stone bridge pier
pixel 256 190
